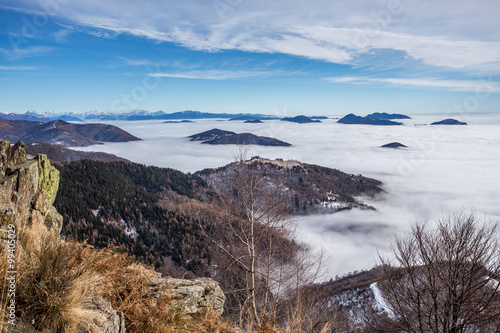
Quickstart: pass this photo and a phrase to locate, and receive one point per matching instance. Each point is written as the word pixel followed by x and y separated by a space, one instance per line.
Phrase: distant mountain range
pixel 302 119
pixel 449 121
pixel 177 121
pixel 62 133
pixel 358 120
pixel 252 117
pixel 93 116
pixel 133 115
pixel 220 137
pixel 385 115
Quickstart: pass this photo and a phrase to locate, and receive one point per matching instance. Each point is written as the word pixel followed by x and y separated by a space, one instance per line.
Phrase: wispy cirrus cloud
pixel 18 68
pixel 453 85
pixel 61 36
pixel 451 34
pixel 431 50
pixel 25 52
pixel 214 74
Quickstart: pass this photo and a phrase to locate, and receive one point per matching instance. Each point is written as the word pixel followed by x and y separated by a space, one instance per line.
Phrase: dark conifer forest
pixel 115 204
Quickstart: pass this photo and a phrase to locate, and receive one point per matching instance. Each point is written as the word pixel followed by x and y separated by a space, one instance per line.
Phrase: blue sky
pixel 289 57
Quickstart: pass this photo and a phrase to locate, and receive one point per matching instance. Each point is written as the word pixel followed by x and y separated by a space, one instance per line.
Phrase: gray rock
pixel 108 321
pixel 191 296
pixel 28 188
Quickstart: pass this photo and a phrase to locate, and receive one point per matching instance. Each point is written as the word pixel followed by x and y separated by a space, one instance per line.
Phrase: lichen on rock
pixel 48 184
pixel 191 296
pixel 28 188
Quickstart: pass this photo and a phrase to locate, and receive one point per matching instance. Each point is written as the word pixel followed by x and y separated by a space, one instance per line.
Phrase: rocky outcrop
pixel 28 188
pixel 191 296
pixel 109 321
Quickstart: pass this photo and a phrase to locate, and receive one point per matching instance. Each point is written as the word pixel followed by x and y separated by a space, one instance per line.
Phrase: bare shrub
pixel 445 278
pixel 263 269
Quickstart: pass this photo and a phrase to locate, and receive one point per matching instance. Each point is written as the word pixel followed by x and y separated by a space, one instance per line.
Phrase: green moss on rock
pixel 48 184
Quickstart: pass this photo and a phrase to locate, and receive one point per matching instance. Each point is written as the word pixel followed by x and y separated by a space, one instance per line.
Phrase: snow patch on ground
pixel 380 300
pixel 334 205
pixel 130 231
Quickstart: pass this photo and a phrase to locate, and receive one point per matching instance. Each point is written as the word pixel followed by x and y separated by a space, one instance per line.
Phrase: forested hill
pixel 116 204
pixel 153 213
pixel 311 188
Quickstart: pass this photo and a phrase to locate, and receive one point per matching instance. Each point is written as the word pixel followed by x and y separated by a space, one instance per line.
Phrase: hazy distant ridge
pixel 133 115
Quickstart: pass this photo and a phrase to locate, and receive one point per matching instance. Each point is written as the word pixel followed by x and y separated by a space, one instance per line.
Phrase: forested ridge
pixel 310 187
pixel 152 213
pixel 101 201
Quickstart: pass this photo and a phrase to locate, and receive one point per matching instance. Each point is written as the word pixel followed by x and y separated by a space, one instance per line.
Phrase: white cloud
pixel 432 50
pixel 16 52
pixel 444 169
pixel 455 85
pixel 61 35
pixel 213 74
pixel 17 68
pixel 450 33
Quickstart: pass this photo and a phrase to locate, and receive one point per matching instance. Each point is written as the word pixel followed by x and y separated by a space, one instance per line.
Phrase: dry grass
pixel 127 288
pixel 207 322
pixel 4 283
pixel 56 281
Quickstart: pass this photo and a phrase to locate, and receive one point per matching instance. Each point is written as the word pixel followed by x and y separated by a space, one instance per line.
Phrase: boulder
pixel 108 319
pixel 191 296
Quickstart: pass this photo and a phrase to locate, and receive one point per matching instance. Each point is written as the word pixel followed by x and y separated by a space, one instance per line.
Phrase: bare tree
pixel 445 278
pixel 273 266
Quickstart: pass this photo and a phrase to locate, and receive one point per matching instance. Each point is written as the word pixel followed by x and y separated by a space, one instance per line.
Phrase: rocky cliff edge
pixel 28 188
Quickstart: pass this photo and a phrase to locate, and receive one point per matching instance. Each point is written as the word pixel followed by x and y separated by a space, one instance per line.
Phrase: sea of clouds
pixel 443 170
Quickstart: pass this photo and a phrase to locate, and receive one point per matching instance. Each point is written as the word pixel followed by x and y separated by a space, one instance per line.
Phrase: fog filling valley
pixel 444 169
